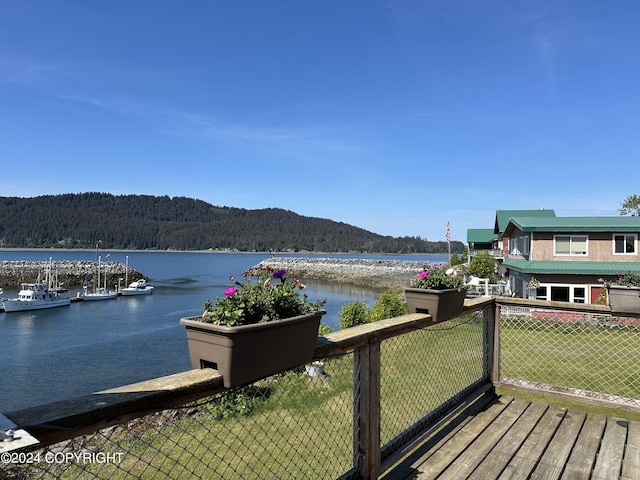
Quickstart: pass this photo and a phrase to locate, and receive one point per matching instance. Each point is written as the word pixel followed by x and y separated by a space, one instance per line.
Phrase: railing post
pixel 366 418
pixel 491 347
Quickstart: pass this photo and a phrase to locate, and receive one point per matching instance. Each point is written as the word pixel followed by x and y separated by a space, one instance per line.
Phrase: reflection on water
pixel 342 289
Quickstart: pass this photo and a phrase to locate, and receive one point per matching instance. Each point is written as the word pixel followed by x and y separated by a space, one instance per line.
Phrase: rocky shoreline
pixel 379 274
pixel 69 273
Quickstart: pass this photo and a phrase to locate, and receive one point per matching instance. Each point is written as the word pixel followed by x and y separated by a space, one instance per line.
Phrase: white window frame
pixel 571 254
pixel 519 245
pixel 625 235
pixel 572 293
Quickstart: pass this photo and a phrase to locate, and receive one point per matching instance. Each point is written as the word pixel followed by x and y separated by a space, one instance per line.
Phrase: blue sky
pixel 396 116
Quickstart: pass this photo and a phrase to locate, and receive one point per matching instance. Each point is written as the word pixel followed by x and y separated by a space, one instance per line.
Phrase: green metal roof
pixel 480 235
pixel 577 224
pixel 571 268
pixel 503 216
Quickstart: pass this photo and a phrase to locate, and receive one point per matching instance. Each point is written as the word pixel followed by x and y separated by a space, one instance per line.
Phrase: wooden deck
pixel 516 439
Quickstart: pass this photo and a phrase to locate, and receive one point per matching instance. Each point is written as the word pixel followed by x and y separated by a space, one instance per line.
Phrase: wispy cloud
pixel 557 29
pixel 25 71
pixel 294 141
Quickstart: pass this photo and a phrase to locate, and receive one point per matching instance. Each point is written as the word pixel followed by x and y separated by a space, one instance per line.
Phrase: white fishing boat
pixel 38 296
pixel 138 287
pixel 100 293
pixel 97 292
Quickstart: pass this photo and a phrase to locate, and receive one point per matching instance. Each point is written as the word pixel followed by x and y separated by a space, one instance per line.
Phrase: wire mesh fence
pixel 299 424
pixel 588 354
pixel 294 425
pixel 305 423
pixel 438 362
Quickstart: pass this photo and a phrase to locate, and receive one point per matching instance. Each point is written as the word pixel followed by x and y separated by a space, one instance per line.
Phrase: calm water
pixel 59 353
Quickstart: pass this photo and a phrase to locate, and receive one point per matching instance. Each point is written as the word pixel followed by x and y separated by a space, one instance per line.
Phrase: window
pixel 625 244
pixel 559 294
pixel 519 245
pixel 570 245
pixel 562 293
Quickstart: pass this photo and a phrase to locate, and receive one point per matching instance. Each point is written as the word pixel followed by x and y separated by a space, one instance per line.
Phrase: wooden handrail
pixel 61 420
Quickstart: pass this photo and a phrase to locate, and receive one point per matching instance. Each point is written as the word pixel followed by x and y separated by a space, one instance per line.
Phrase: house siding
pixel 599 249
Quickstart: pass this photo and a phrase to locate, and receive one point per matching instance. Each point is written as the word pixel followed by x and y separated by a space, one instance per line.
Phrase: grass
pixel 562 402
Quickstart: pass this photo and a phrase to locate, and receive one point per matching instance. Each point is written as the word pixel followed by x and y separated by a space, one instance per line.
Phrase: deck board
pixel 631 460
pixel 583 455
pixel 466 463
pixel 516 438
pixel 505 450
pixel 555 457
pixel 609 462
pixel 450 450
pixel 526 458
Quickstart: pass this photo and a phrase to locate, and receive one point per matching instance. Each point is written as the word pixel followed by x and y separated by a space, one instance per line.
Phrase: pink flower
pixel 421 275
pixel 230 291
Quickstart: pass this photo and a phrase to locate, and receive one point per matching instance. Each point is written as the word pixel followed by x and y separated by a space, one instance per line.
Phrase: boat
pixel 138 287
pixel 97 292
pixel 100 293
pixel 38 295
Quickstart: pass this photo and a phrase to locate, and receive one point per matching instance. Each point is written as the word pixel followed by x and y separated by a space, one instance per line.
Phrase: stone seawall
pixel 382 274
pixel 69 273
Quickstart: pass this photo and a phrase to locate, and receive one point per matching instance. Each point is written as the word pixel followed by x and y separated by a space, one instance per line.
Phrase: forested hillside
pixel 146 222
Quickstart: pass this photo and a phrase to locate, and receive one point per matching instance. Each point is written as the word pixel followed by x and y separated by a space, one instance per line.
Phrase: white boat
pixel 139 287
pixel 39 295
pixel 97 292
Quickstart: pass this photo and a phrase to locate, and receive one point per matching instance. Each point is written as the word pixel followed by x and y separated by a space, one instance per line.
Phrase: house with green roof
pixel 568 255
pixel 502 220
pixel 481 240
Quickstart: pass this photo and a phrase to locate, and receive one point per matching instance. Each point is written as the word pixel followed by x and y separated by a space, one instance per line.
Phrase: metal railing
pixel 373 394
pixel 571 350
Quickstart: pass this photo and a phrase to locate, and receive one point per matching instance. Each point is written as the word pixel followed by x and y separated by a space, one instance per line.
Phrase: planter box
pixel 624 299
pixel 249 352
pixel 440 304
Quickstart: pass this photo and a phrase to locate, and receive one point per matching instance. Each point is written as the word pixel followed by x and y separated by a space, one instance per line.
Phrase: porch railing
pixel 384 388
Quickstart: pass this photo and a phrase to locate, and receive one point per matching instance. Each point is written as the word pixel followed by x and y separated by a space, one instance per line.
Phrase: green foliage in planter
pixel 248 302
pixel 352 314
pixel 629 279
pixel 388 305
pixel 438 276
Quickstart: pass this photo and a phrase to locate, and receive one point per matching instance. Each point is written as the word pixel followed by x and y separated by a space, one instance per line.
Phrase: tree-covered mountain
pixel 141 222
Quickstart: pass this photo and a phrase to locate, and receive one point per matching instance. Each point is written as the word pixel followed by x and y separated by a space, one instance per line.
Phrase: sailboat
pixel 97 292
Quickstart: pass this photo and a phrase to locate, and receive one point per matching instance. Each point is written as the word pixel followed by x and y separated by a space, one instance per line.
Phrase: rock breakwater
pixel 69 273
pixel 381 274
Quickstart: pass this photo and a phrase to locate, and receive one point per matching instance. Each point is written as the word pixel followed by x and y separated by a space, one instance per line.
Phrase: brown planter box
pixel 624 299
pixel 440 304
pixel 249 352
